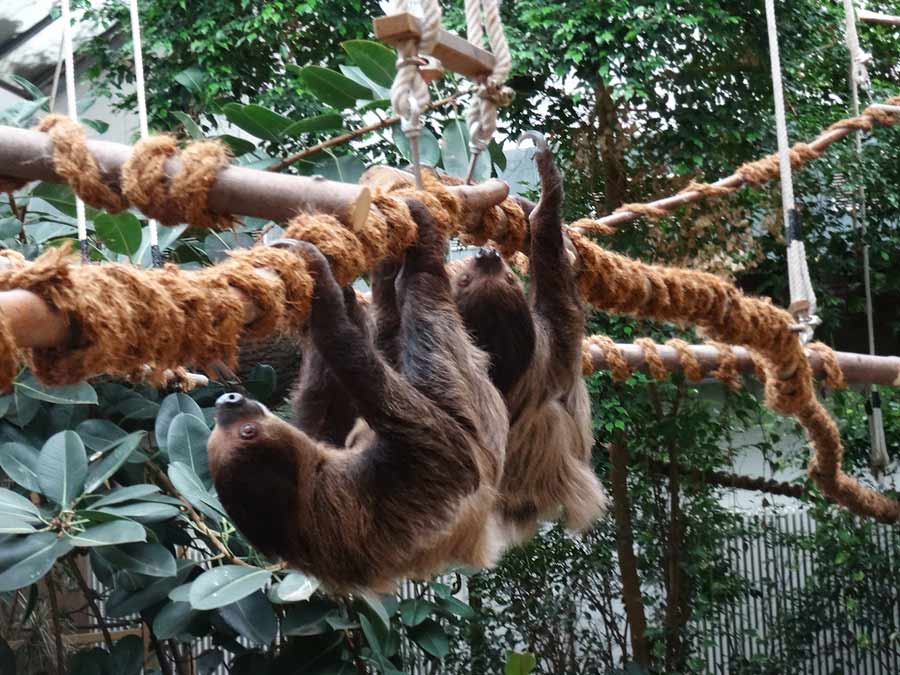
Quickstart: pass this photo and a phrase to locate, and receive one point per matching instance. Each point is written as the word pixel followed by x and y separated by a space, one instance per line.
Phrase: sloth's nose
pixel 487 252
pixel 232 400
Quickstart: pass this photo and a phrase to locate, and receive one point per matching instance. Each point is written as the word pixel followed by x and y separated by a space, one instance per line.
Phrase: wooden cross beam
pixel 453 52
pixel 877 17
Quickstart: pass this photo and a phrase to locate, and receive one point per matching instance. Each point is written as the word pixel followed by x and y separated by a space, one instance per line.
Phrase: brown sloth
pixel 534 343
pixel 412 494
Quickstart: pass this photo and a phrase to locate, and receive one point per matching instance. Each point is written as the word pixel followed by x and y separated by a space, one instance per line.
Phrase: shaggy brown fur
pixel 414 494
pixel 534 343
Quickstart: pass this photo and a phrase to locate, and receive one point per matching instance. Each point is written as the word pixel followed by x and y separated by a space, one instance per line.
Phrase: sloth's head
pixel 258 462
pixel 495 310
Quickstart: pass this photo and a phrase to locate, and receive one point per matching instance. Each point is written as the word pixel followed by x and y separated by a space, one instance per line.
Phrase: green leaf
pixel 331 87
pixel 325 122
pixel 254 119
pixel 173 620
pixel 520 172
pixel 61 198
pixel 253 618
pixel 101 470
pixel 295 587
pixel 227 584
pixel 377 607
pixel 100 435
pixel 127 656
pixel 190 126
pixel 238 146
pixel 414 611
pixel 455 606
pixel 152 560
pixel 99 126
pixel 456 153
pixel 192 79
pixel 260 381
pixel 62 468
pixel 144 512
pixel 309 618
pixel 431 637
pixel 33 91
pixel 377 61
pixel 170 408
pixel 518 663
pixel 358 76
pixel 123 601
pixel 497 156
pixel 121 232
pixel 429 149
pixel 125 494
pixel 19 462
pixel 109 534
pixel 14 525
pixel 190 487
pixel 186 443
pixel 14 504
pixel 217 244
pixel 346 168
pixel 27 559
pixel 166 238
pixel 73 394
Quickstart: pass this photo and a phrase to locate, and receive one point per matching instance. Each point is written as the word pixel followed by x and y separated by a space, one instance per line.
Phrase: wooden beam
pixel 453 52
pixel 245 192
pixel 877 17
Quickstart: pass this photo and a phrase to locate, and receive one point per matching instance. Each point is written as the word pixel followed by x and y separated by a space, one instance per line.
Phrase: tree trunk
pixel 631 583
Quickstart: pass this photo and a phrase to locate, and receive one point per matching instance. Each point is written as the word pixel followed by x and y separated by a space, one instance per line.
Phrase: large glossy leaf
pixel 254 119
pixel 519 663
pixel 346 168
pixel 152 560
pixel 62 468
pixel 190 487
pixel 227 584
pixel 456 153
pixel 19 461
pixel 100 435
pixel 377 608
pixel 27 559
pixel 521 171
pixel 123 602
pixel 15 525
pixel 454 606
pixel 309 618
pixel 239 146
pixel 14 504
pixel 186 443
pixel 173 620
pixel 431 637
pixel 192 79
pixel 102 469
pixel 252 617
pixel 167 237
pixel 144 512
pixel 127 656
pixel 190 126
pixel 109 534
pixel 121 232
pixel 325 122
pixel 429 149
pixel 358 76
pixel 61 197
pixel 415 611
pixel 295 587
pixel 126 494
pixel 377 61
pixel 331 87
pixel 74 394
pixel 172 406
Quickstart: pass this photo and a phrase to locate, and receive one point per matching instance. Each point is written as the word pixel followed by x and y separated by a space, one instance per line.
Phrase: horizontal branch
pixel 858 368
pixel 28 155
pixel 877 17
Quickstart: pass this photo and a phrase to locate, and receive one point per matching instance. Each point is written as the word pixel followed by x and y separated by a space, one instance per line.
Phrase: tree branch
pixel 90 596
pixel 57 627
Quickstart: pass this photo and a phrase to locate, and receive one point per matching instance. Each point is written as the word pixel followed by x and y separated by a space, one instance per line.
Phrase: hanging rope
pixel 409 92
pixel 859 76
pixel 492 93
pixel 803 296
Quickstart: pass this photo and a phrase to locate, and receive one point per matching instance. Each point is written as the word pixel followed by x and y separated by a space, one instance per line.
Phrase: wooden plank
pixel 877 17
pixel 454 53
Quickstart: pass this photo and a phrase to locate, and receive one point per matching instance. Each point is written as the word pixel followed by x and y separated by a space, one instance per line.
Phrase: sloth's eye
pixel 464 279
pixel 248 431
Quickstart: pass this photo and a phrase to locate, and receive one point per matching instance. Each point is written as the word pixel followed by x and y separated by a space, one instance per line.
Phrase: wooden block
pixel 877 17
pixel 455 53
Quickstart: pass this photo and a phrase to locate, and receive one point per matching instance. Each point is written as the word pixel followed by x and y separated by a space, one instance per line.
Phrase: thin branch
pixel 356 133
pixel 90 595
pixel 57 627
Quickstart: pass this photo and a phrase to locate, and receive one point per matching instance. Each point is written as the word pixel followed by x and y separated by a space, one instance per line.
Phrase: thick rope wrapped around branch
pixel 616 283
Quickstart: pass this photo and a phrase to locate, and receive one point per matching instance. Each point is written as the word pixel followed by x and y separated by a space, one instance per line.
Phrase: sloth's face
pixel 493 306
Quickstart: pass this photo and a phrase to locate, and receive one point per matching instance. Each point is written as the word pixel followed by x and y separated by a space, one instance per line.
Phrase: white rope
pixel 72 109
pixel 481 117
pixel 798 270
pixel 135 19
pixel 878 456
pixel 409 92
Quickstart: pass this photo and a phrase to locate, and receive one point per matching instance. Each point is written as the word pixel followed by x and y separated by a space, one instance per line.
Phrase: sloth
pixel 412 494
pixel 534 344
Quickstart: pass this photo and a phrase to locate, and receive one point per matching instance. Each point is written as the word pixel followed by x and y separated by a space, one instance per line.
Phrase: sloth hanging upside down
pixel 413 493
